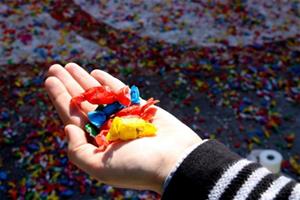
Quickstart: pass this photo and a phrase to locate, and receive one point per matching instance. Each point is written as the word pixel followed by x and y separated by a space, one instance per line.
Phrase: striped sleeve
pixel 213 172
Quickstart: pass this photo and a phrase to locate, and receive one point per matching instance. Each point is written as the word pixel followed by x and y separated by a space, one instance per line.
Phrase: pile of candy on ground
pixel 237 79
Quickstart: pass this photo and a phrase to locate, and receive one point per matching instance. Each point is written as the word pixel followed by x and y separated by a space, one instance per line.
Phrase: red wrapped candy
pixel 103 95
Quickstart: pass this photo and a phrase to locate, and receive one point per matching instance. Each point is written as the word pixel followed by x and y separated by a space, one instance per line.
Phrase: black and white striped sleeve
pixel 213 172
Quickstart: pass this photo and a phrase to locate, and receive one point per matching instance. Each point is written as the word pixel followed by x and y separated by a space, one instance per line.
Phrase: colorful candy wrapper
pixel 97 118
pixel 112 108
pixel 135 95
pixel 122 118
pixel 103 95
pixel 129 128
pixel 91 129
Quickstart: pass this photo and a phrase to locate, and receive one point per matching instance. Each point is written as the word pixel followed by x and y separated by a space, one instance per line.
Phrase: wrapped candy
pixel 135 95
pixel 129 128
pixel 103 95
pixel 125 129
pixel 100 115
pixel 119 116
pixel 145 112
pixel 97 118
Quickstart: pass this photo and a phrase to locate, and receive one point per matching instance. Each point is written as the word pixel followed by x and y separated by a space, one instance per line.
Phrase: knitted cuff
pixel 198 172
pixel 180 160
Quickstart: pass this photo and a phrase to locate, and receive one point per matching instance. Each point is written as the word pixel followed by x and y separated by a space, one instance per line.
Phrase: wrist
pixel 171 160
pixel 179 161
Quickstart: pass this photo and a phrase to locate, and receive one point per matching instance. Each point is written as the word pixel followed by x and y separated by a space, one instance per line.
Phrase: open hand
pixel 142 163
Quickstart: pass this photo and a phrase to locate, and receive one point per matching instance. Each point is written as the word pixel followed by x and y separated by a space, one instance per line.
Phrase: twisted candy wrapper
pixel 129 128
pixel 122 118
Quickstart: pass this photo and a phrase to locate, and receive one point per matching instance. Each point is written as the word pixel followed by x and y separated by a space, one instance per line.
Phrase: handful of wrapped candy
pixel 119 116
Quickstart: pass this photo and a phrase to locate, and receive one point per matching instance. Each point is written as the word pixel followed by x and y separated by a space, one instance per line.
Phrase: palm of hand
pixel 143 163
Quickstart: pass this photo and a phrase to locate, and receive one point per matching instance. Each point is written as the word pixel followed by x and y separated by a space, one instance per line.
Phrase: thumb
pixel 76 136
pixel 80 152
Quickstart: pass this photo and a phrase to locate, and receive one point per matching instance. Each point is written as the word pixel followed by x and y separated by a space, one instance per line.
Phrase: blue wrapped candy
pixel 112 108
pixel 135 95
pixel 97 118
pixel 102 113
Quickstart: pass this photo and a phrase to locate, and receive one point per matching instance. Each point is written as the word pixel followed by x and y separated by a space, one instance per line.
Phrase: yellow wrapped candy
pixel 129 128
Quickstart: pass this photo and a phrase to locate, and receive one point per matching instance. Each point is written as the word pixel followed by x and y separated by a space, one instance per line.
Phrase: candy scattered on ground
pixel 237 79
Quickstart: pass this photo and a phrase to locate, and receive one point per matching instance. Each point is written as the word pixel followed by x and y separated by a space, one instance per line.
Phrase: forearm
pixel 212 171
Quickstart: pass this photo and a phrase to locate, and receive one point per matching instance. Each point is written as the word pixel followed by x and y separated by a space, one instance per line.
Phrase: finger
pixel 72 86
pixel 106 79
pixel 60 98
pixel 63 75
pixel 84 79
pixel 76 136
pixel 82 153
